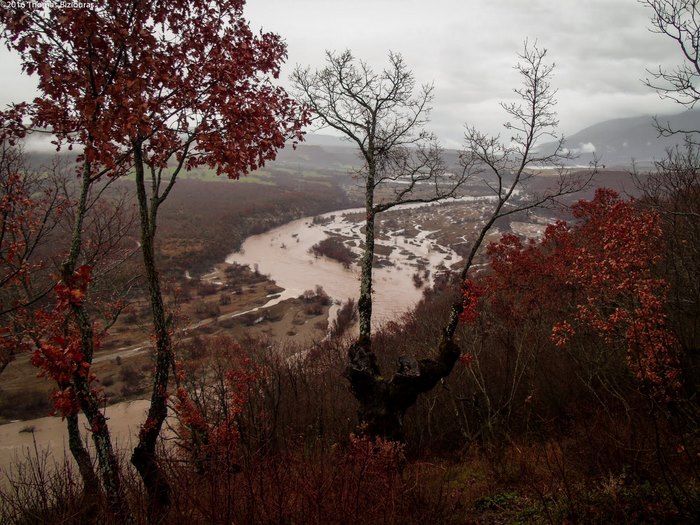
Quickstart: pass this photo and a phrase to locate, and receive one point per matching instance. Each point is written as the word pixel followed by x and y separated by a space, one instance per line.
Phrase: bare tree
pixel 679 20
pixel 672 188
pixel 384 114
pixel 505 169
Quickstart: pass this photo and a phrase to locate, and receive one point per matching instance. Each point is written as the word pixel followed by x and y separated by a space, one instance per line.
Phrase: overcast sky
pixel 601 48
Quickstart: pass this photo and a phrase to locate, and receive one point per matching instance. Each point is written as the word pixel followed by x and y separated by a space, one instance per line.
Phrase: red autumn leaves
pixel 180 78
pixel 594 280
pixel 208 424
pixel 58 345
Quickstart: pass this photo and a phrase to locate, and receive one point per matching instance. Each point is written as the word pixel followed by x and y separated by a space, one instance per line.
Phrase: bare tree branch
pixel 384 114
pixel 506 168
pixel 680 21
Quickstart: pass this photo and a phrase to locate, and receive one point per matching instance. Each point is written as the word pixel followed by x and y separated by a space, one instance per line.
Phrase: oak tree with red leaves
pixel 597 279
pixel 154 88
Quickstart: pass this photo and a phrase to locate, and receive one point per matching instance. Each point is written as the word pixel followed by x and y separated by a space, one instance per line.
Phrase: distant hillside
pixel 328 152
pixel 617 142
pixel 319 139
pixel 318 152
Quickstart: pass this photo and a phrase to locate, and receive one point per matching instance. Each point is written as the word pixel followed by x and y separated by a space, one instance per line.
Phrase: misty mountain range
pixel 616 143
pixel 620 141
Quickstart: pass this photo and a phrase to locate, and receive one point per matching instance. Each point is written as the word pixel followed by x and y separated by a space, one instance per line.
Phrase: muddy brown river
pixel 284 254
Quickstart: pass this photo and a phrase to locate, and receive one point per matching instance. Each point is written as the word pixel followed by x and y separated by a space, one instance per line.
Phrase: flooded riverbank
pixel 413 246
pixel 285 255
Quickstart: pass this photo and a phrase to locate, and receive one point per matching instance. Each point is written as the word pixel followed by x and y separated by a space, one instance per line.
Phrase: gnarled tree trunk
pixel 384 402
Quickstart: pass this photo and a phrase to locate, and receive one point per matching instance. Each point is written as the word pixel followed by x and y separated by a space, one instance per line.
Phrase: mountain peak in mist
pixel 618 142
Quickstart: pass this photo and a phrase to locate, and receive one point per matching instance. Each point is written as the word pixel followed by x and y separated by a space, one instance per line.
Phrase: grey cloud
pixel 468 47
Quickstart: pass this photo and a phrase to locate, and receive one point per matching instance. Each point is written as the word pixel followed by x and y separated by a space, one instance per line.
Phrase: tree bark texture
pixel 144 455
pixel 384 402
pixel 364 304
pixel 91 483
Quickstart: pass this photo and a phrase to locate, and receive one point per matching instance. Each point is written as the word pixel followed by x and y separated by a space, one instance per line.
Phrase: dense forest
pixel 550 379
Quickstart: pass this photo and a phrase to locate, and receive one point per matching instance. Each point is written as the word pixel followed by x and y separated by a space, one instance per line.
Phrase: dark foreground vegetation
pixel 521 432
pixel 592 424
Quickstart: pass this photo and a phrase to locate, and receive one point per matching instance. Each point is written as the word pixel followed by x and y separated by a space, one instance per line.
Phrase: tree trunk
pixel 89 404
pixel 364 304
pixel 91 483
pixel 383 402
pixel 144 455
